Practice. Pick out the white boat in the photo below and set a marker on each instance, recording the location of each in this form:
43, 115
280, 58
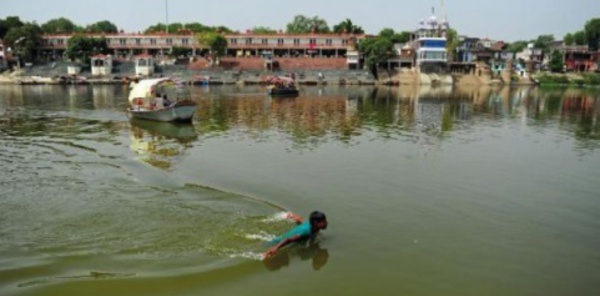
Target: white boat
160, 99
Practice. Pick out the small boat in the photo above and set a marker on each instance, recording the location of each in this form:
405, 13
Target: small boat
149, 99
282, 91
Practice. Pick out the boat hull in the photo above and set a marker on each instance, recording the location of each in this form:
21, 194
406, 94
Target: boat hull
179, 112
283, 92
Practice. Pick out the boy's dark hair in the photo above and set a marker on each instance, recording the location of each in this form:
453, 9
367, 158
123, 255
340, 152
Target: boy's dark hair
316, 216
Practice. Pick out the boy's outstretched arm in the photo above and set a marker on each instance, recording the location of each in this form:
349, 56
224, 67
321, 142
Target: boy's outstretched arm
273, 250
295, 217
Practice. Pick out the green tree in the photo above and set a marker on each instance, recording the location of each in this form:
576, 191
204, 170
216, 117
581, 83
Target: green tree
102, 27
264, 30
376, 50
215, 41
197, 27
60, 25
402, 37
24, 40
394, 37
569, 39
544, 42
160, 27
346, 26
9, 23
452, 42
81, 48
387, 33
222, 29
592, 33
517, 46
580, 38
302, 25
556, 62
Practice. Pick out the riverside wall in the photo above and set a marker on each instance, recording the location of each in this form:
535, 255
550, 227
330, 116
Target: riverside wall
308, 71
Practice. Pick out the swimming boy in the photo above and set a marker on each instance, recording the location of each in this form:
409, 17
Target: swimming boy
305, 230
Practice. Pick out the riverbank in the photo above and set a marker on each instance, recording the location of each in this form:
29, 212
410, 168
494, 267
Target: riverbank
56, 73
568, 79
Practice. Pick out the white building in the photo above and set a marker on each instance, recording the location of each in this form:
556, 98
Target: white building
101, 65
430, 45
144, 65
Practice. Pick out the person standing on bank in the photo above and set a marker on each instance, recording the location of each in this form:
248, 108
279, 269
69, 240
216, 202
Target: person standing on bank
304, 231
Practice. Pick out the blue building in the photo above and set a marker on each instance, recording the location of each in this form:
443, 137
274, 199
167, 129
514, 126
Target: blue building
430, 45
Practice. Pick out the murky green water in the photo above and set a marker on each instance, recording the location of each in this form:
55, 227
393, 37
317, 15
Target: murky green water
428, 192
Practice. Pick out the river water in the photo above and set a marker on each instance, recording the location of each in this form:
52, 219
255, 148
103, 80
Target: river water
428, 191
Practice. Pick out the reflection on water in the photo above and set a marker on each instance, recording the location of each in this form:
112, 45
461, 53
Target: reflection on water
312, 252
160, 143
318, 115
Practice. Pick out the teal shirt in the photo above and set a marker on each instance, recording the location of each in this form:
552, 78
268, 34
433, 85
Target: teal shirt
303, 230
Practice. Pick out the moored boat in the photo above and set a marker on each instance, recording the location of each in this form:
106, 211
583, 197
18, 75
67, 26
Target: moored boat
282, 91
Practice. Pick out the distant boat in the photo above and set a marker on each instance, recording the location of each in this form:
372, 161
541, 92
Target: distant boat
150, 99
282, 91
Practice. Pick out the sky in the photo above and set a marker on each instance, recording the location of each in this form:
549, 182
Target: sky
507, 20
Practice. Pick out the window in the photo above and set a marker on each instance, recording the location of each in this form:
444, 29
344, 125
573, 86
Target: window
328, 42
153, 41
344, 42
169, 41
233, 41
265, 41
122, 41
138, 41
248, 40
312, 41
185, 41
280, 41
60, 41
296, 41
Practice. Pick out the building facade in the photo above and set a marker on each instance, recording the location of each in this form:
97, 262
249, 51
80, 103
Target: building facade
431, 55
239, 45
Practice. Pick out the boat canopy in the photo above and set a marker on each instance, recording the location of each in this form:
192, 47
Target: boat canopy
148, 88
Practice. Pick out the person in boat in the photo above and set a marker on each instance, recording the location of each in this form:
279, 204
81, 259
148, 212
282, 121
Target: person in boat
305, 231
157, 102
166, 101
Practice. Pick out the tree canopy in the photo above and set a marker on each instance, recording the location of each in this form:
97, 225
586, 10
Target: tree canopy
376, 50
102, 27
264, 30
82, 48
395, 37
346, 26
24, 40
556, 63
580, 38
60, 25
215, 41
592, 33
303, 25
175, 28
544, 42
8, 23
518, 46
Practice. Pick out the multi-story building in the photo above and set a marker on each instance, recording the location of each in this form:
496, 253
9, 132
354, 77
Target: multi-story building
239, 45
430, 46
578, 58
